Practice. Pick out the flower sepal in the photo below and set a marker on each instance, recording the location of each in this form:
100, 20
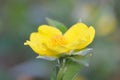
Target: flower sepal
47, 58
81, 57
83, 52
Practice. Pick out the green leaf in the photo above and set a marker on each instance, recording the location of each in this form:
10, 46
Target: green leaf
72, 71
57, 24
78, 61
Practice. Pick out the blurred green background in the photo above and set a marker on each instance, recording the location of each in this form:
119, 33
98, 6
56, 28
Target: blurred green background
18, 18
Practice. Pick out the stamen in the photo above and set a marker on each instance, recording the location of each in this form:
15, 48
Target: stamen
58, 40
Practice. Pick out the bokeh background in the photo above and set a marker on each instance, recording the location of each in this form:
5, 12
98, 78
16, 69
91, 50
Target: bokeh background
18, 18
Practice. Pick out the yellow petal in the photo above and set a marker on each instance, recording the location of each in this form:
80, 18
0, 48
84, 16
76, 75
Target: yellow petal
87, 38
38, 46
72, 34
79, 36
49, 31
52, 38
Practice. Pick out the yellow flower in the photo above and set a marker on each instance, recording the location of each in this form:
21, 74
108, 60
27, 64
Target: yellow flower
49, 41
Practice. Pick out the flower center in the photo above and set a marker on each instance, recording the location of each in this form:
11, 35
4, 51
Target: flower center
58, 40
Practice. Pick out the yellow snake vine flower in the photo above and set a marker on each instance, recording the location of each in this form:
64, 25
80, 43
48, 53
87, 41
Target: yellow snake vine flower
49, 41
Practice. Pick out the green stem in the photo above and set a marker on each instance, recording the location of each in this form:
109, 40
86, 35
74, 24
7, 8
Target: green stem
62, 69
